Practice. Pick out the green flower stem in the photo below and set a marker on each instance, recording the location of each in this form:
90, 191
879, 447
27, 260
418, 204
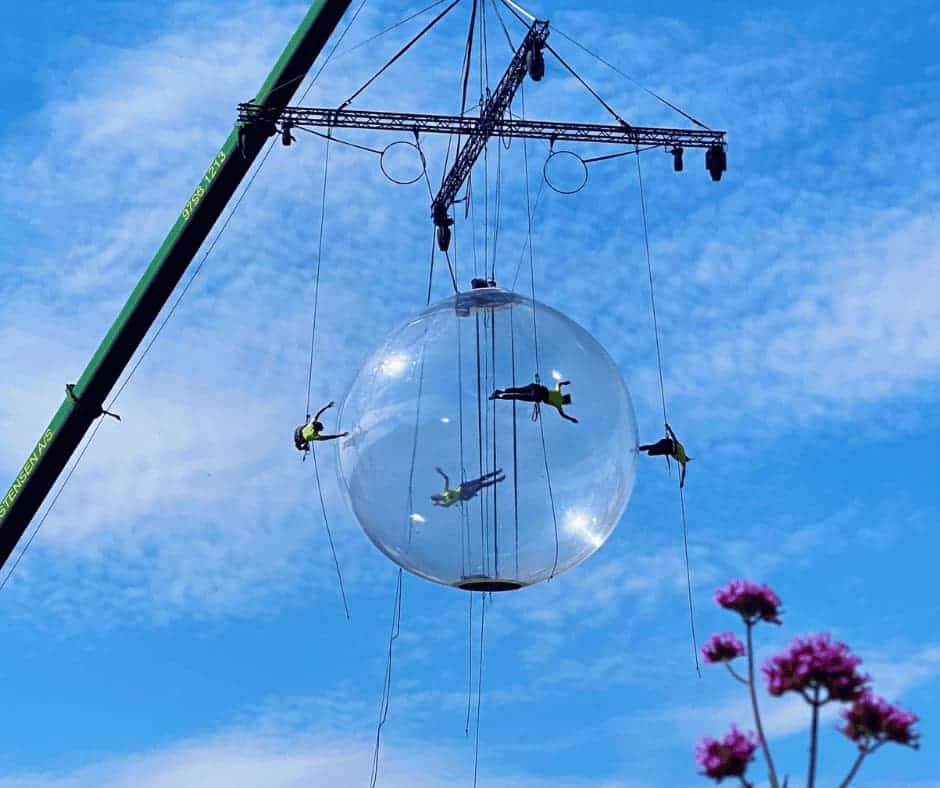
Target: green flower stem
863, 753
771, 772
813, 739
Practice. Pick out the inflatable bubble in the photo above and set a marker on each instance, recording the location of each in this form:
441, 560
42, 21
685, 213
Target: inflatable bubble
527, 494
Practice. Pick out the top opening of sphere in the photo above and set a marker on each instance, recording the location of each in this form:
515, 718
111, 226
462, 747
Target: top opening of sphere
460, 467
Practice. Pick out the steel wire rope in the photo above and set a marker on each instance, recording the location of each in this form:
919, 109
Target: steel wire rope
626, 76
476, 748
387, 684
515, 453
535, 333
313, 345
389, 29
396, 610
584, 82
338, 140
662, 392
466, 729
495, 465
136, 365
484, 547
399, 54
329, 57
329, 533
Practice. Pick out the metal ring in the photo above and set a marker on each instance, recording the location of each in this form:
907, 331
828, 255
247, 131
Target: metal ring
385, 172
548, 180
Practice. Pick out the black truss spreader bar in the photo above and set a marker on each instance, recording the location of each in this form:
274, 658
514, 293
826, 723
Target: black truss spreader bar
558, 131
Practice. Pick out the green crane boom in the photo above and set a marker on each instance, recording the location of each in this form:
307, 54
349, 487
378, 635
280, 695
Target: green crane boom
84, 402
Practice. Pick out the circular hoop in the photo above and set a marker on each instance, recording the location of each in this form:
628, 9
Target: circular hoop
385, 172
573, 155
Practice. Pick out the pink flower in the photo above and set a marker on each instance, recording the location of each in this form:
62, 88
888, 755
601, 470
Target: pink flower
722, 647
728, 757
816, 663
872, 719
754, 602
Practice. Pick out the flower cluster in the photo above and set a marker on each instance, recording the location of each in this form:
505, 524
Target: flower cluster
722, 647
816, 663
752, 601
727, 757
872, 719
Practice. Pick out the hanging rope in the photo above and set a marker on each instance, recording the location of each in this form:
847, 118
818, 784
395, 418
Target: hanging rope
649, 269
466, 729
387, 684
476, 749
316, 281
688, 581
495, 465
515, 452
399, 54
589, 89
626, 76
480, 433
313, 348
389, 29
662, 393
329, 533
548, 476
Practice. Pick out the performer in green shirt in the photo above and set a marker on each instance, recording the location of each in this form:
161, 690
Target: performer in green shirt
465, 490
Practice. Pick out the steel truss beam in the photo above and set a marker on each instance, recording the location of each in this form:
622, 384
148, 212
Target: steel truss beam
411, 122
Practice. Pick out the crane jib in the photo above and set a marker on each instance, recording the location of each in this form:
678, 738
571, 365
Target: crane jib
204, 206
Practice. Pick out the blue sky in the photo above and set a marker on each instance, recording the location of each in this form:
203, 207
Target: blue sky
176, 621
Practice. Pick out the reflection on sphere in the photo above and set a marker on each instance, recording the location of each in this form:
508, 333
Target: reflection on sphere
528, 499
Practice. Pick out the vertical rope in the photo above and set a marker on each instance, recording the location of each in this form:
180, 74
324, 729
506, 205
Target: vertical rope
688, 581
515, 453
476, 750
662, 393
316, 283
387, 685
535, 327
548, 476
649, 268
495, 466
329, 533
466, 729
483, 535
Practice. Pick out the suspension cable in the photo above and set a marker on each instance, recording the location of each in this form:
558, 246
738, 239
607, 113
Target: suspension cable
548, 476
583, 81
476, 749
387, 684
329, 533
390, 28
662, 392
316, 281
399, 54
626, 76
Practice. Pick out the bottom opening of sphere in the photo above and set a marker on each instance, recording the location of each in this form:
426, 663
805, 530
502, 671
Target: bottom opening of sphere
488, 584
460, 467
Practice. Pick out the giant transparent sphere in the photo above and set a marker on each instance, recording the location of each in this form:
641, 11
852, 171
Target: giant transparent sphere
525, 498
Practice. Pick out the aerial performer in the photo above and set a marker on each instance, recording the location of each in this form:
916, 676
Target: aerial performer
538, 394
465, 490
669, 447
313, 431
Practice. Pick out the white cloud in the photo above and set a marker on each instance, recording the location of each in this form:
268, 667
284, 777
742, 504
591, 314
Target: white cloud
249, 759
